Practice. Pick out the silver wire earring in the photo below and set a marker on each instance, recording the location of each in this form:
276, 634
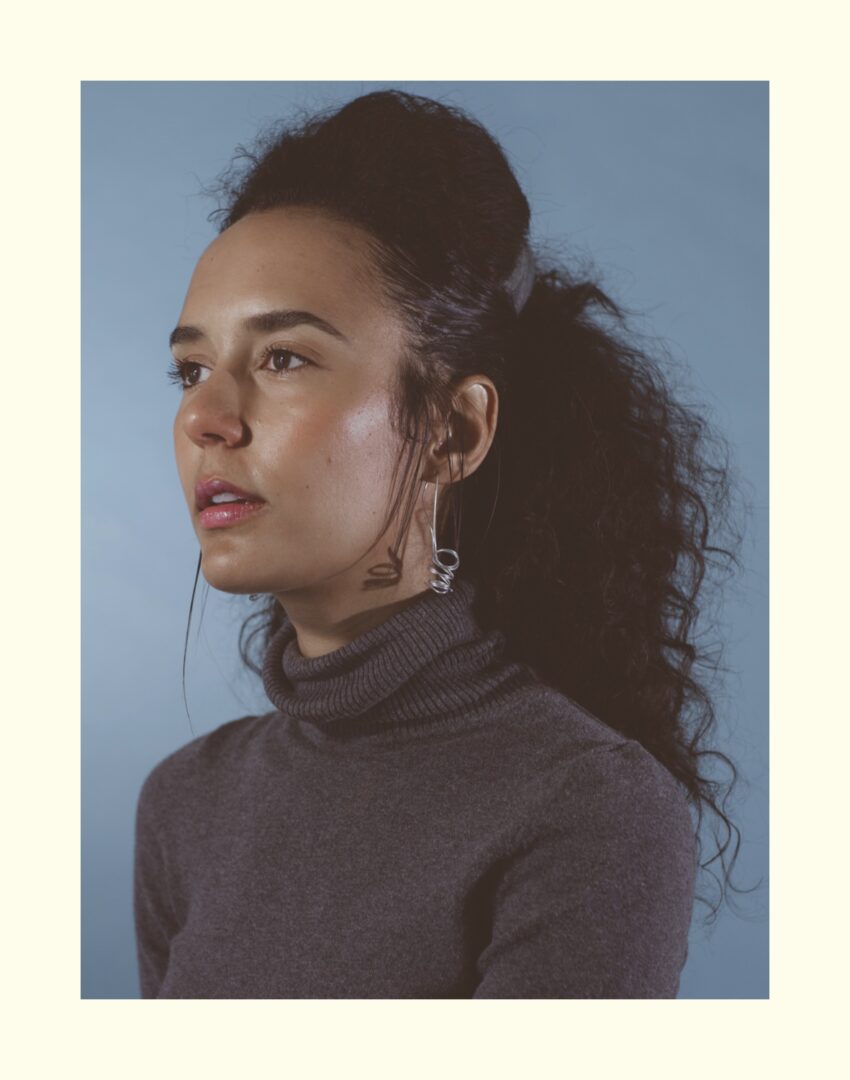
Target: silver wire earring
442, 573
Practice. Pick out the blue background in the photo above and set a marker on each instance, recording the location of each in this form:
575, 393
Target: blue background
663, 184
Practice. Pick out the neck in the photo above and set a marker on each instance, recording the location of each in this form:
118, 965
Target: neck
428, 662
318, 635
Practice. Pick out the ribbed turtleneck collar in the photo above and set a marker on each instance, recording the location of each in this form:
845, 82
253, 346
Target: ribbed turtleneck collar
428, 662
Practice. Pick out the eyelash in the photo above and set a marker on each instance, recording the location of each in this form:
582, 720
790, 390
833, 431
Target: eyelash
176, 372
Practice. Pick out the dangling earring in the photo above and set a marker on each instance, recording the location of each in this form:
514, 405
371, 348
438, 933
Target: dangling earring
441, 572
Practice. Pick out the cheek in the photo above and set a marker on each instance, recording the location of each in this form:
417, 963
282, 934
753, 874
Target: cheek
354, 455
364, 430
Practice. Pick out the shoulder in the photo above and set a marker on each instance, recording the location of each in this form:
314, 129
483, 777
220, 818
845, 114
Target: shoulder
593, 896
623, 786
622, 815
598, 786
197, 765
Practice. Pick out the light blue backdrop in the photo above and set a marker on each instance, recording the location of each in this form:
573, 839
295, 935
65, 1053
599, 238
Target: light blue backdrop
665, 184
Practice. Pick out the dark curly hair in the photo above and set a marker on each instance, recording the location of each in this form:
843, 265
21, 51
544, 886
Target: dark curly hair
604, 503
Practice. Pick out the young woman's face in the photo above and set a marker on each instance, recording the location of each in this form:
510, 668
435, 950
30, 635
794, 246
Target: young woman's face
292, 408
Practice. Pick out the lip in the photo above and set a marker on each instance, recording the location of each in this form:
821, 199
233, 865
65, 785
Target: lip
216, 485
220, 515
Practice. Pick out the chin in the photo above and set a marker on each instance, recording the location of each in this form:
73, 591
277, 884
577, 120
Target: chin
235, 586
226, 575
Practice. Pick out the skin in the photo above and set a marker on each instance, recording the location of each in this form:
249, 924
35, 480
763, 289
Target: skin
314, 440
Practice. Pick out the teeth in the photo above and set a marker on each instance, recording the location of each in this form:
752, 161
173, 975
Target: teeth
226, 496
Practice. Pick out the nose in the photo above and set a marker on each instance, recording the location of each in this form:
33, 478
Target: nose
214, 411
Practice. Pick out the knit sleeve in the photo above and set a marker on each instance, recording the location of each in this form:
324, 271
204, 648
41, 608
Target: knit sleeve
597, 900
155, 924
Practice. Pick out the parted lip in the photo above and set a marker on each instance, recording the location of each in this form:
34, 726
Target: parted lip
215, 485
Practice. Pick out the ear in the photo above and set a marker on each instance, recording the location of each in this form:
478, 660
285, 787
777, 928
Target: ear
468, 433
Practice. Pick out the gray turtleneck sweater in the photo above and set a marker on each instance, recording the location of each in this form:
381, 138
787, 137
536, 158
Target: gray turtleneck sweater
416, 818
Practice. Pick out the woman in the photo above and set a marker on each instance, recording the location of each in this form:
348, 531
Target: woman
476, 777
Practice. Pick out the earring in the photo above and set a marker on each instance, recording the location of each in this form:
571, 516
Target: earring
441, 572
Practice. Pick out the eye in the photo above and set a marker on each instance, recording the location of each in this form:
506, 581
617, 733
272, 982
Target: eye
180, 371
278, 350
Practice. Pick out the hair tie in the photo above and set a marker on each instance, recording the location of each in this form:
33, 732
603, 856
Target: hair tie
521, 279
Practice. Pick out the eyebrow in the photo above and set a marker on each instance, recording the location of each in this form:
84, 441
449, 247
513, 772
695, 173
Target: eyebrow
267, 322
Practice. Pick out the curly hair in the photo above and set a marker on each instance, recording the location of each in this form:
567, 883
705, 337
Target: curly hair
604, 505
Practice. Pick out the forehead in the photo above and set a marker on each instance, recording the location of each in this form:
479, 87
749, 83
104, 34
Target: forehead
289, 256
